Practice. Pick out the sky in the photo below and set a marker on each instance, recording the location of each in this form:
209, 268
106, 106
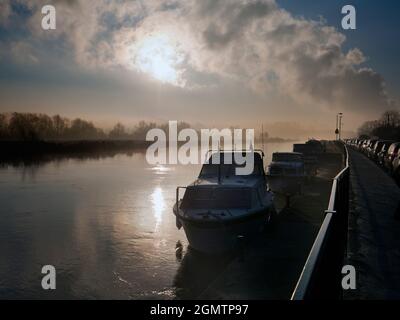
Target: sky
287, 64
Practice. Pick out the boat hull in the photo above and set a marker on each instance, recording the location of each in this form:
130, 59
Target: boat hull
216, 237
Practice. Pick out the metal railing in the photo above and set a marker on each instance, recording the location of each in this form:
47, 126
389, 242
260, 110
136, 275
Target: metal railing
321, 275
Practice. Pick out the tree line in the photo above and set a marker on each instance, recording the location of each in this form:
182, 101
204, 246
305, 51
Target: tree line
387, 127
41, 127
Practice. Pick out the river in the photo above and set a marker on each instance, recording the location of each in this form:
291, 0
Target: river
105, 224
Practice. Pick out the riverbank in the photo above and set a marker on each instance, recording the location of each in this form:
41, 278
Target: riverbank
26, 152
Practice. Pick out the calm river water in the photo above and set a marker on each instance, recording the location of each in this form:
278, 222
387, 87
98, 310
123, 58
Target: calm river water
106, 226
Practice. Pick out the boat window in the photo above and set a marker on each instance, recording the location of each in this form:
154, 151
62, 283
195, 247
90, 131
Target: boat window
217, 198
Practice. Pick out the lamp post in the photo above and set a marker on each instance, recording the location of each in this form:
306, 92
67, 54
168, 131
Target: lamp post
340, 125
338, 131
337, 128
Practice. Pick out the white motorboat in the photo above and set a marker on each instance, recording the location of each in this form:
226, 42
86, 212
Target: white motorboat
286, 173
220, 208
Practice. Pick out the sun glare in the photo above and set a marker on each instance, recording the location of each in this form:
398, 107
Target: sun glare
157, 199
158, 57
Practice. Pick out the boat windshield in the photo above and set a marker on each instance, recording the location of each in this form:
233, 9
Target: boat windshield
217, 198
224, 164
226, 170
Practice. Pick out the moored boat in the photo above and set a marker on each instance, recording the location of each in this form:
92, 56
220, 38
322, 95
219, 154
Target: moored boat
221, 207
286, 173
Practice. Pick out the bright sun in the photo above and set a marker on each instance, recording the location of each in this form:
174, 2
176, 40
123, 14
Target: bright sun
158, 57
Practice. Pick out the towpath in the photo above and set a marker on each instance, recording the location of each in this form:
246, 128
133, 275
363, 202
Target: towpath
374, 231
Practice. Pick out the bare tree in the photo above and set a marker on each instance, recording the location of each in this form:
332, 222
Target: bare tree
118, 132
367, 128
390, 118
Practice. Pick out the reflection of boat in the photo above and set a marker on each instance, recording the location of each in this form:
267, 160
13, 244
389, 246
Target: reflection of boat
196, 271
286, 173
221, 207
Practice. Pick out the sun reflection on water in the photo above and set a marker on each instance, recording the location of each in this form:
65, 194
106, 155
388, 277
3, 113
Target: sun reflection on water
161, 169
158, 204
